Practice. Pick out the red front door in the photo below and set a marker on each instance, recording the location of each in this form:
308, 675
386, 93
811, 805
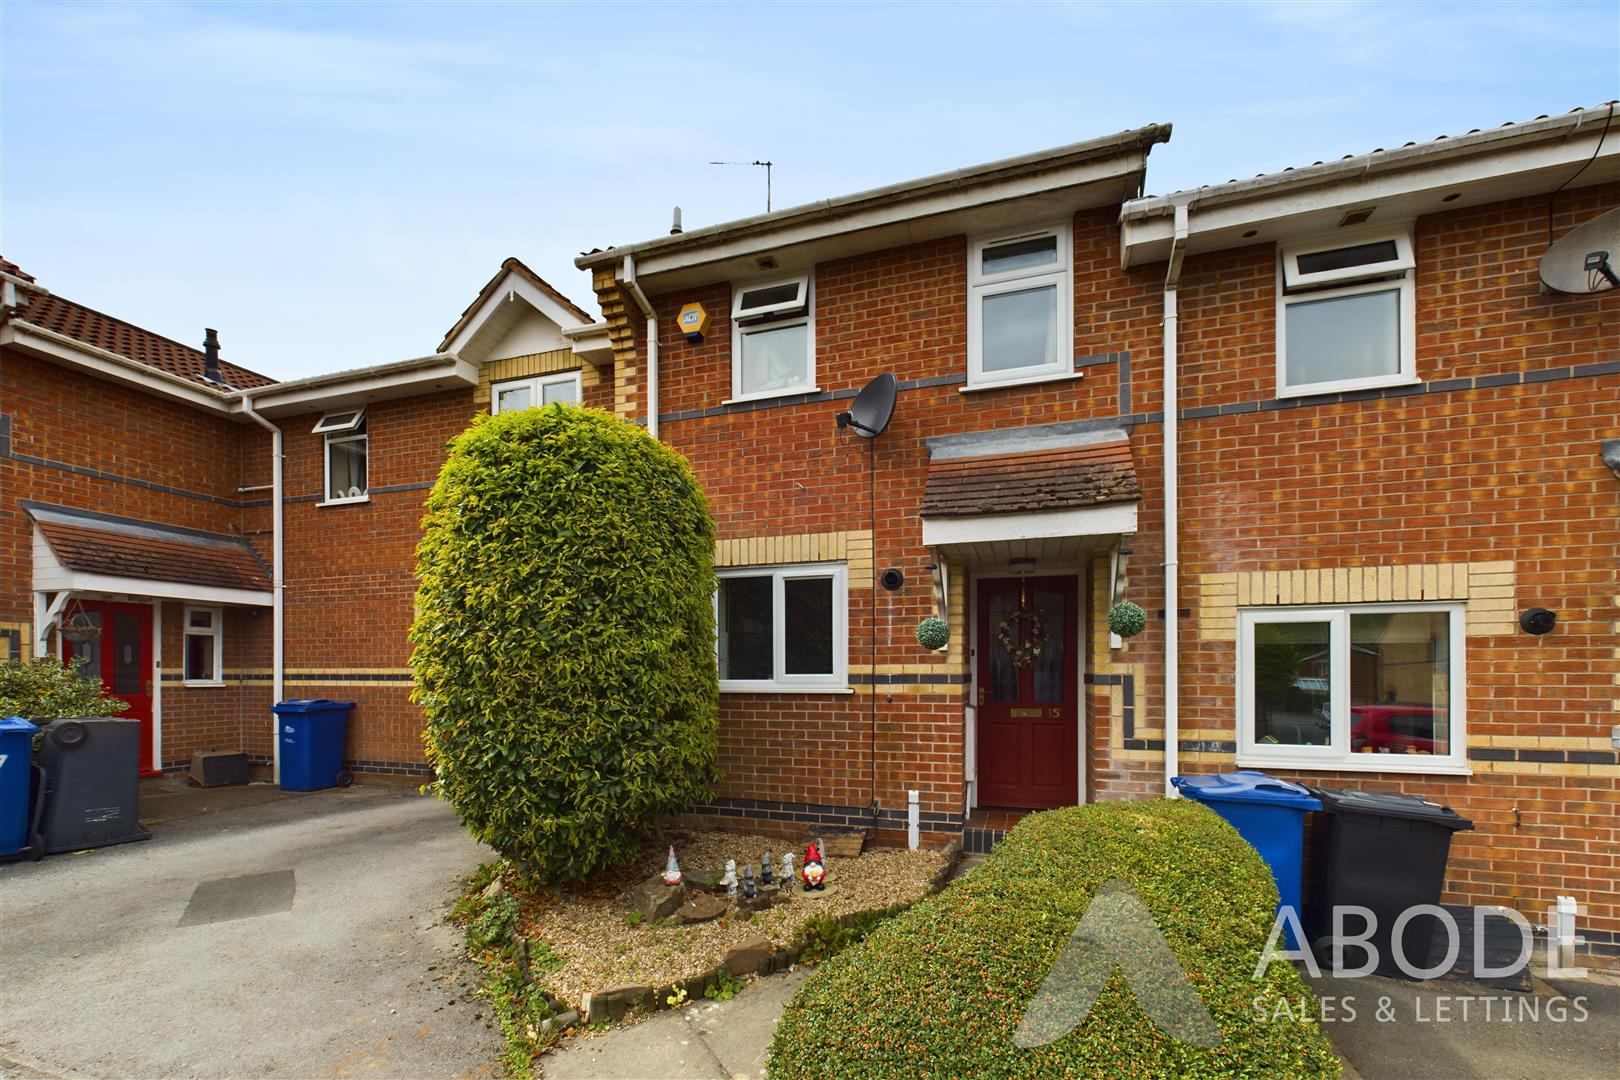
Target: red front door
1029, 703
121, 656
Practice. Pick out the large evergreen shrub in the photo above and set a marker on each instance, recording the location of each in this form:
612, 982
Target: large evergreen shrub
939, 990
44, 688
564, 637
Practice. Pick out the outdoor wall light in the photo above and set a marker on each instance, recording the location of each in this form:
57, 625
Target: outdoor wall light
1610, 455
1538, 621
1021, 564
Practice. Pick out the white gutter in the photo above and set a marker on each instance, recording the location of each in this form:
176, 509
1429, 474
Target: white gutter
1172, 506
278, 627
630, 283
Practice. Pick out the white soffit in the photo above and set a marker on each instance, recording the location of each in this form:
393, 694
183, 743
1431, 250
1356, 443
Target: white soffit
1397, 185
1111, 519
504, 311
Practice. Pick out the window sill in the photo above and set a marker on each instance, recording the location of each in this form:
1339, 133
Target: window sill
724, 689
796, 391
345, 502
1033, 380
1347, 387
1368, 763
194, 684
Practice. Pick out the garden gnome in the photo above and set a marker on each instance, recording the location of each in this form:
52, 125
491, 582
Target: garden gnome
730, 880
749, 891
813, 873
672, 869
785, 875
765, 877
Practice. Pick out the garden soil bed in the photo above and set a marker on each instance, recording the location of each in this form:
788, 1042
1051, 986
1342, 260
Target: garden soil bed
589, 926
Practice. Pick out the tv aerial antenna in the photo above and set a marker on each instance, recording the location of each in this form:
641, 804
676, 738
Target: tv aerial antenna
766, 165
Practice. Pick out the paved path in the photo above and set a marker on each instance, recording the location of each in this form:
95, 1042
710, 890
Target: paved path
299, 938
704, 1041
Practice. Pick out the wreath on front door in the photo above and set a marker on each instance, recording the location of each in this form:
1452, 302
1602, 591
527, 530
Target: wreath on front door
1023, 653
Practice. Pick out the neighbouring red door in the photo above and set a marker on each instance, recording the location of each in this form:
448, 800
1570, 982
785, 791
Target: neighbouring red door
121, 656
1029, 705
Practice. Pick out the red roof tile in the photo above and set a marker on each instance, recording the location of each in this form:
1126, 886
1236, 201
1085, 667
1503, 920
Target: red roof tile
50, 312
1039, 480
152, 553
13, 269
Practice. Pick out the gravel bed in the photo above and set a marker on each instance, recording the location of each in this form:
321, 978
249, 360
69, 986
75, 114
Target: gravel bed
588, 925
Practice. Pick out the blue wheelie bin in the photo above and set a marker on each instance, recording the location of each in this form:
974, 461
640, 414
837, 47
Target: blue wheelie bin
1270, 815
16, 777
313, 734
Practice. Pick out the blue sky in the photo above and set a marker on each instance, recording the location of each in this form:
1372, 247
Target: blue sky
330, 184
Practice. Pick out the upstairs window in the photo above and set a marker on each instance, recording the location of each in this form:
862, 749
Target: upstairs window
772, 339
559, 389
783, 627
345, 455
1345, 314
1020, 306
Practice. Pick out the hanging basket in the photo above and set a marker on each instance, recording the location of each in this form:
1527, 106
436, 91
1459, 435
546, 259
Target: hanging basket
78, 627
1126, 619
932, 633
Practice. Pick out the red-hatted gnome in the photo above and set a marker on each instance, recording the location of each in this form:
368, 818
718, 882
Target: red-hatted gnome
813, 873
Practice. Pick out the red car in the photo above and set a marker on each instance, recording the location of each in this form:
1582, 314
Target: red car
1395, 729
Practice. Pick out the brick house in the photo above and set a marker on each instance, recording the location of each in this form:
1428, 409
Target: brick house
1386, 444
137, 497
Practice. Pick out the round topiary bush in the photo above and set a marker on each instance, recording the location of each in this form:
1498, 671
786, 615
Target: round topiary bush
940, 990
564, 637
1126, 619
933, 633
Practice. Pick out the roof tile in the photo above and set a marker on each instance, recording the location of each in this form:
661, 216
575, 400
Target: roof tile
1062, 479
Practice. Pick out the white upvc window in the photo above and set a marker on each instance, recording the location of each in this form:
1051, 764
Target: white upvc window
1346, 318
345, 455
1366, 687
204, 647
783, 627
1020, 306
561, 388
773, 339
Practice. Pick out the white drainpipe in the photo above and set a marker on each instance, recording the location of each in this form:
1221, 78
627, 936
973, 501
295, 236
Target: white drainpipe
634, 286
278, 629
1172, 635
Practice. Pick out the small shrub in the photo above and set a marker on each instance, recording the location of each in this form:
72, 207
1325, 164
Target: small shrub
939, 990
824, 937
564, 638
494, 926
634, 919
46, 689
724, 988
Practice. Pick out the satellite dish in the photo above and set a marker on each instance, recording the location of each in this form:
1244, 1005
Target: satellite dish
873, 408
1586, 259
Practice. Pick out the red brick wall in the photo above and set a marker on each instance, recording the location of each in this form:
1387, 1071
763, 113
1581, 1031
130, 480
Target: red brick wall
1505, 473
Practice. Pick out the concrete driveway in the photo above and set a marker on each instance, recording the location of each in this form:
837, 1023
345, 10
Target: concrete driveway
297, 938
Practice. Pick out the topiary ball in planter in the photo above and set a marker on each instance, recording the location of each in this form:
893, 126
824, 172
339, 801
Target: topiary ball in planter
932, 633
1126, 619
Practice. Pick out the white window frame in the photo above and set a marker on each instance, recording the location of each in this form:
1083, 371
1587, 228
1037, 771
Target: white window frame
773, 317
536, 385
1396, 275
1337, 756
216, 631
340, 421
981, 285
363, 438
781, 682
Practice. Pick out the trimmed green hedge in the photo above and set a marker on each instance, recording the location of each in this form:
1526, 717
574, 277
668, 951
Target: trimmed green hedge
939, 990
564, 638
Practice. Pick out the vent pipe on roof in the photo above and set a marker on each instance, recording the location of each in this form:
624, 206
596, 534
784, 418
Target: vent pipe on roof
211, 357
675, 227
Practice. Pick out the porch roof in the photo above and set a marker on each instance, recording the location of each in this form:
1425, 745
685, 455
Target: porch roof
92, 550
1061, 478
